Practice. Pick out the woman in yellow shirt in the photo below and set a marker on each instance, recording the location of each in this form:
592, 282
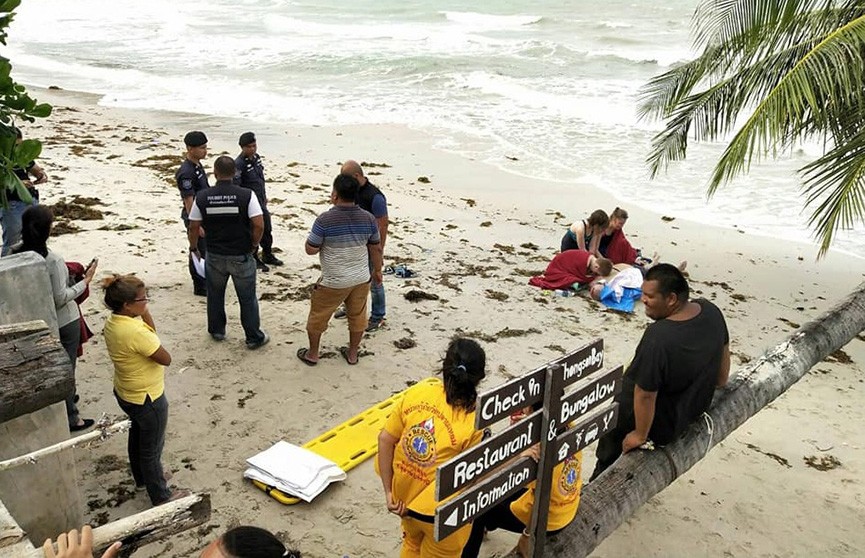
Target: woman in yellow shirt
431, 424
139, 381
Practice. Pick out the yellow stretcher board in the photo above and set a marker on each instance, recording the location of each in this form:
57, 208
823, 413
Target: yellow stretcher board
348, 445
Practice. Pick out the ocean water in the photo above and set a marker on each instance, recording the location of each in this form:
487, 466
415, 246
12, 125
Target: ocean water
540, 88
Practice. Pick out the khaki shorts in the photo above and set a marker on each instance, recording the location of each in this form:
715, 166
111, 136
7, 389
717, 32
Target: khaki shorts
326, 300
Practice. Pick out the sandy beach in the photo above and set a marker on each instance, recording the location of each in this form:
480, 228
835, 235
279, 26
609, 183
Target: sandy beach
788, 483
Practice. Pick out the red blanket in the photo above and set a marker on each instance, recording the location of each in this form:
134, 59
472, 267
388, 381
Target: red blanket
619, 250
566, 269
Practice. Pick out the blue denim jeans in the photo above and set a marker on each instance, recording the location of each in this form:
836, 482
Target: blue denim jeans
146, 440
376, 291
10, 219
70, 338
241, 269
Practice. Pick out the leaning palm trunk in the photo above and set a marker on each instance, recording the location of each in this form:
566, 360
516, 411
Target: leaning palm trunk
614, 496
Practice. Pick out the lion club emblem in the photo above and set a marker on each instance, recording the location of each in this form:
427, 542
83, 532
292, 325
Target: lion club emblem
570, 479
419, 443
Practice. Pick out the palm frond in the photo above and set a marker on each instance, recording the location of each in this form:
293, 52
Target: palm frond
836, 184
832, 71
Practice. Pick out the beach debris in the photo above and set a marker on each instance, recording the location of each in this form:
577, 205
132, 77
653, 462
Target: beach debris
108, 463
792, 324
529, 246
374, 165
416, 295
487, 224
496, 295
667, 219
504, 248
55, 88
405, 343
822, 463
557, 348
423, 179
118, 227
839, 356
77, 209
511, 158
774, 456
64, 227
501, 334
241, 403
469, 202
445, 280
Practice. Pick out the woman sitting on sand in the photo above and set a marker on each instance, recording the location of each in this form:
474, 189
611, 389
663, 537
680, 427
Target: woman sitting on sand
35, 229
431, 424
613, 245
586, 234
570, 269
139, 381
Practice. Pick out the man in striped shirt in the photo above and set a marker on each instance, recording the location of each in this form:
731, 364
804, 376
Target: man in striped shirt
346, 238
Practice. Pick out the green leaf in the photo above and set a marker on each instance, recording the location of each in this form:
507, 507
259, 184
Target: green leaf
9, 5
12, 182
42, 110
26, 152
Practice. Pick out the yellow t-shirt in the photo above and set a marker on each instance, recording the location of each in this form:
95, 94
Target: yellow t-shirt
564, 497
130, 343
430, 432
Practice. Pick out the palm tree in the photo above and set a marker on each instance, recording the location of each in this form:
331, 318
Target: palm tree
777, 73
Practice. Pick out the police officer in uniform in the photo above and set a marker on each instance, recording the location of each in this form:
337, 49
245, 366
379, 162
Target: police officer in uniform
192, 179
234, 223
250, 174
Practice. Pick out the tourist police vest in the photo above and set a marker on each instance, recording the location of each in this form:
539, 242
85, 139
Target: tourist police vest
225, 218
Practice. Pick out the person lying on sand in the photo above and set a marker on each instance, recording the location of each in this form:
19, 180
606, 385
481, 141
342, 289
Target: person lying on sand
570, 268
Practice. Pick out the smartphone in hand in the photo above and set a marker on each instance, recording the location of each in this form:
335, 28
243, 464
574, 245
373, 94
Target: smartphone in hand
93, 262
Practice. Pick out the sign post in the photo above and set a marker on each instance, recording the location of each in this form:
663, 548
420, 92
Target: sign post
482, 477
549, 426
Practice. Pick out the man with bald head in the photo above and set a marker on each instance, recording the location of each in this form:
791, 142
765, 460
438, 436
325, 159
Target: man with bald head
372, 200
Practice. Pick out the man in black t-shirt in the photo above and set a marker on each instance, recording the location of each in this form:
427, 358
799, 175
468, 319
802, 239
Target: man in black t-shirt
191, 179
683, 356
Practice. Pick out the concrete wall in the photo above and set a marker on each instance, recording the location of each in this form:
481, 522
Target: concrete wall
44, 497
25, 291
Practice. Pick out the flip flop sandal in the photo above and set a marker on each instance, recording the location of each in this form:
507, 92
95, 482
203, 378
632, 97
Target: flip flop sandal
301, 354
388, 270
405, 273
344, 352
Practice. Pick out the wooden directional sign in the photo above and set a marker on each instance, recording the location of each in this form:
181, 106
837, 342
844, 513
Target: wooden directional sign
459, 511
486, 456
587, 431
528, 390
595, 391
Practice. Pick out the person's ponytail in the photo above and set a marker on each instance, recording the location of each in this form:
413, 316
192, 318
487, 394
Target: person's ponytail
463, 367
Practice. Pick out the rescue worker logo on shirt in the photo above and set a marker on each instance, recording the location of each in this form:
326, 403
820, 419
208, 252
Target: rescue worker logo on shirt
419, 443
570, 480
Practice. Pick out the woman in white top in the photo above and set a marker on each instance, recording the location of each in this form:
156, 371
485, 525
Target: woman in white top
36, 228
